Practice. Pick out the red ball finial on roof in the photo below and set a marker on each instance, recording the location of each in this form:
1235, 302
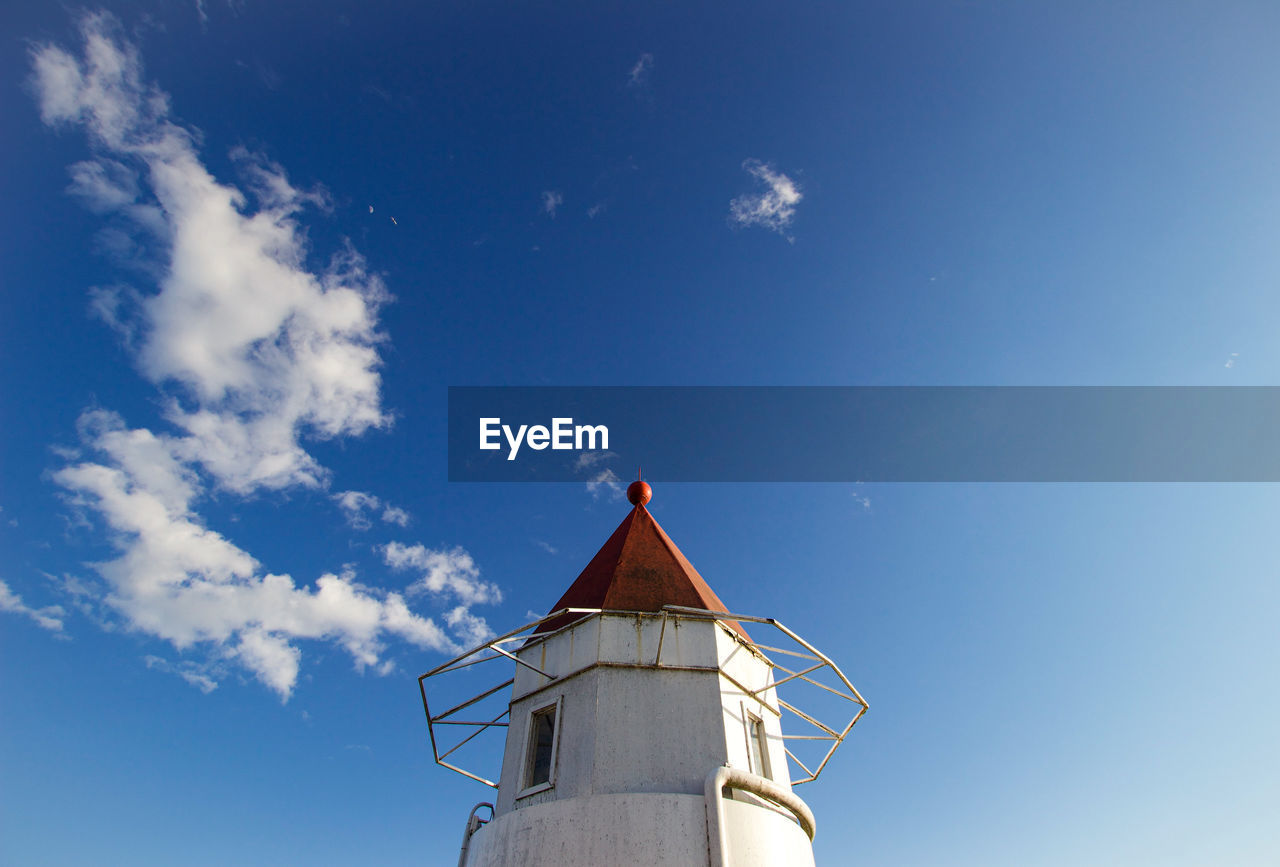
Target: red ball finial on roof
639, 493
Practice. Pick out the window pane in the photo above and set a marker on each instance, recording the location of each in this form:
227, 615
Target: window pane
541, 737
759, 749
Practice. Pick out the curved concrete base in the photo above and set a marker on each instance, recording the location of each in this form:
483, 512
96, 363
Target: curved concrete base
645, 829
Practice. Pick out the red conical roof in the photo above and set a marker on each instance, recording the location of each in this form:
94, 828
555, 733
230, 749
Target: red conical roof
638, 569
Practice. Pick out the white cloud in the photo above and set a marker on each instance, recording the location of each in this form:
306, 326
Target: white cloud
444, 573
199, 676
395, 515
602, 481
1231, 361
551, 200
586, 460
104, 185
184, 583
774, 208
605, 481
639, 74
266, 349
83, 595
263, 351
546, 546
48, 617
472, 629
358, 508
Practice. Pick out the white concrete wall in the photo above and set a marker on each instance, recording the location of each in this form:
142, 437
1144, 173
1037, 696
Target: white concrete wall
575, 747
622, 730
763, 837
744, 671
663, 830
618, 638
651, 830
635, 743
656, 730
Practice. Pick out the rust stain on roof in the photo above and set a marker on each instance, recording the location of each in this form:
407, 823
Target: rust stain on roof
638, 569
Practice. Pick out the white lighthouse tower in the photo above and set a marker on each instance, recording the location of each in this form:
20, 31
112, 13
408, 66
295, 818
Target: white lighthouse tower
645, 725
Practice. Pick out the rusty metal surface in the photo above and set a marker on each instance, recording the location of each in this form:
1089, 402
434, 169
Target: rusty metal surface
638, 569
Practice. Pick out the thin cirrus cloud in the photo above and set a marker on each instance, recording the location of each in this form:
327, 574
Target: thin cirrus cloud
638, 77
587, 460
264, 353
601, 481
447, 574
773, 206
551, 202
605, 482
47, 617
442, 572
193, 673
359, 508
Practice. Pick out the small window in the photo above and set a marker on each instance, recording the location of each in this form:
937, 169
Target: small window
758, 747
540, 754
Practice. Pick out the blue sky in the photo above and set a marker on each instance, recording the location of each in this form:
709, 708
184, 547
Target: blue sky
246, 248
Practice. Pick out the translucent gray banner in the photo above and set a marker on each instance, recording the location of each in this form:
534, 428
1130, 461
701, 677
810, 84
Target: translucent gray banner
866, 434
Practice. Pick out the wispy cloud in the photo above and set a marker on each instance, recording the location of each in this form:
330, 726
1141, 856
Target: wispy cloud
49, 617
1231, 360
443, 572
638, 77
395, 515
196, 674
605, 482
774, 207
601, 481
448, 574
551, 200
587, 460
546, 546
359, 508
264, 348
355, 506
185, 583
261, 350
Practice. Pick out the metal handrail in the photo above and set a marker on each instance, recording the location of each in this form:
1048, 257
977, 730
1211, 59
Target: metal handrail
736, 778
474, 823
495, 651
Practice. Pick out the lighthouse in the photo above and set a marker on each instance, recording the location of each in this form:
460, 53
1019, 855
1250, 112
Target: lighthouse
644, 723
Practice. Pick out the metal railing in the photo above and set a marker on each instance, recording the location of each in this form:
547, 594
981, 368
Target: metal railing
736, 778
805, 673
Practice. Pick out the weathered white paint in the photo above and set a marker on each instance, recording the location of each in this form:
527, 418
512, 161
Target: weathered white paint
758, 836
658, 829
637, 734
738, 833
